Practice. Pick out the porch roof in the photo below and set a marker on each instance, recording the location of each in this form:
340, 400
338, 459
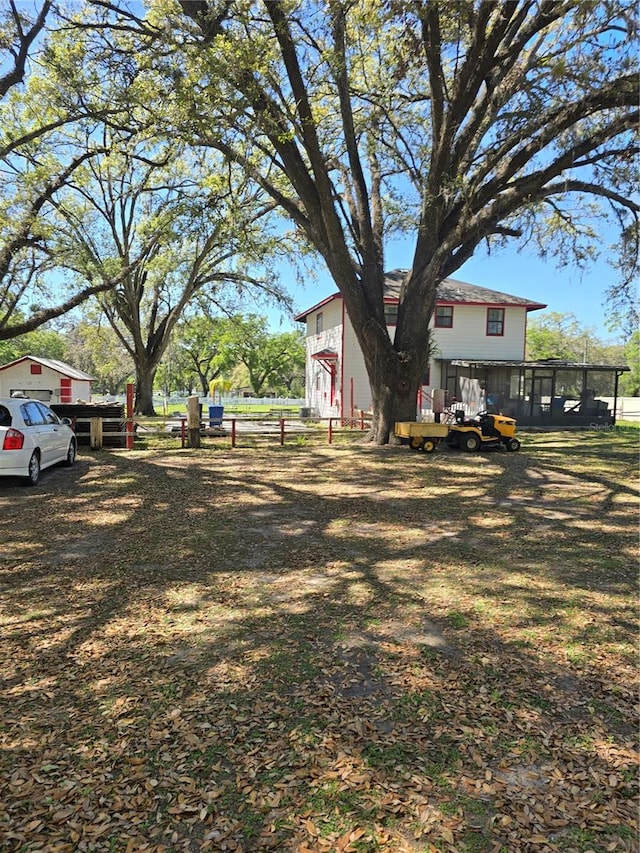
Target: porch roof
325, 355
543, 364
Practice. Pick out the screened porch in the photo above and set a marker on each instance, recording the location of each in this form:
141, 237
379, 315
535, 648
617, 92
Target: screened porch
542, 393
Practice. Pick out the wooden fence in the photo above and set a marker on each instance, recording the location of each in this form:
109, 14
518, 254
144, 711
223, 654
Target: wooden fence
112, 432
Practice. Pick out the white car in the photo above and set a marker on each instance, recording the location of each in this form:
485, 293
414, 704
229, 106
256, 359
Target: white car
33, 437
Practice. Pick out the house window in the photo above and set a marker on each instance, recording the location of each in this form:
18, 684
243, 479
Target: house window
444, 317
495, 321
391, 313
36, 369
318, 322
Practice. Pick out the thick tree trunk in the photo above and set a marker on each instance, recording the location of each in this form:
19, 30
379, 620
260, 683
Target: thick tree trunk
394, 390
394, 378
391, 407
396, 369
145, 375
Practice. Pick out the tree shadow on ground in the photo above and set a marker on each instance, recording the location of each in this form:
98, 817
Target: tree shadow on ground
323, 650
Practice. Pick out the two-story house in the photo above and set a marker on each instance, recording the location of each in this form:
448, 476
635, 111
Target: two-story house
478, 340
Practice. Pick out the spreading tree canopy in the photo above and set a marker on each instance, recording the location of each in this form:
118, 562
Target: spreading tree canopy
48, 116
458, 122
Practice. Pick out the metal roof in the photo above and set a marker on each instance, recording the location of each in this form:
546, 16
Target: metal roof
52, 364
543, 364
450, 291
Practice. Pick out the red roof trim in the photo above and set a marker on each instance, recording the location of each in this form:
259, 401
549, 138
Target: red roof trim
325, 355
16, 361
390, 300
302, 316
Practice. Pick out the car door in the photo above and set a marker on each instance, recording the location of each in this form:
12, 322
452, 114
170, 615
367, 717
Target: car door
56, 435
41, 434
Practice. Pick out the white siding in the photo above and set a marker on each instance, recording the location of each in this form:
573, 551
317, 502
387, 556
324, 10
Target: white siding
354, 375
45, 385
331, 317
317, 378
468, 337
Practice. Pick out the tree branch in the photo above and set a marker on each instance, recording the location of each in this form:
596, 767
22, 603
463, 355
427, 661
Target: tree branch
16, 75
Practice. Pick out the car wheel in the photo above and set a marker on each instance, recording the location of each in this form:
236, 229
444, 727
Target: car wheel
34, 470
71, 453
470, 442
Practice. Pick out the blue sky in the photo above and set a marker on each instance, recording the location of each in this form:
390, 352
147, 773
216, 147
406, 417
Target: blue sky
520, 272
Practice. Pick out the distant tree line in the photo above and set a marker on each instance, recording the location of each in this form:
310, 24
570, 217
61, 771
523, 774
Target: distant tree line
238, 352
562, 336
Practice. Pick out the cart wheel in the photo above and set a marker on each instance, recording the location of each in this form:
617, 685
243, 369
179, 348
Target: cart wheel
470, 442
513, 444
416, 442
429, 445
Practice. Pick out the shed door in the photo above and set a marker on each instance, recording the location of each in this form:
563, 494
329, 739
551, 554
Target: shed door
65, 390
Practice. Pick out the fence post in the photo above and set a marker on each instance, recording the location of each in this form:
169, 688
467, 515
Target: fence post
233, 432
183, 432
95, 433
281, 432
330, 430
129, 425
193, 420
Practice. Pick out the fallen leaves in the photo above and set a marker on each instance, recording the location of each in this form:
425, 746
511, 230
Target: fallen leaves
247, 690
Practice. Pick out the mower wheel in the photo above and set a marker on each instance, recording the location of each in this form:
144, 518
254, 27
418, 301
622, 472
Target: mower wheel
513, 444
415, 442
429, 445
470, 442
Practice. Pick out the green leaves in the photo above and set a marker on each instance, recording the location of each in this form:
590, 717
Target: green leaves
272, 360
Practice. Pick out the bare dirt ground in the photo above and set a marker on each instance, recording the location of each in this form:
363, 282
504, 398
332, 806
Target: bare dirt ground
323, 649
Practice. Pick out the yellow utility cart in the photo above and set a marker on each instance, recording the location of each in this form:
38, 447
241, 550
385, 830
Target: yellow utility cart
485, 431
421, 436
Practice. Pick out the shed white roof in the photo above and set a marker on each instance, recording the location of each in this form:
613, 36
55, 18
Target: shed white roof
53, 364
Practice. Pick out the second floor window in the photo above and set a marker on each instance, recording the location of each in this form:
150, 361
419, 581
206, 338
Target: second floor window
318, 323
495, 321
444, 317
391, 313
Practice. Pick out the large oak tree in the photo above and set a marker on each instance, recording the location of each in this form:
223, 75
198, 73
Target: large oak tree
465, 122
176, 226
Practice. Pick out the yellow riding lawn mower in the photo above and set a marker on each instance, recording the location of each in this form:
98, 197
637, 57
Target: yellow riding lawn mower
486, 430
